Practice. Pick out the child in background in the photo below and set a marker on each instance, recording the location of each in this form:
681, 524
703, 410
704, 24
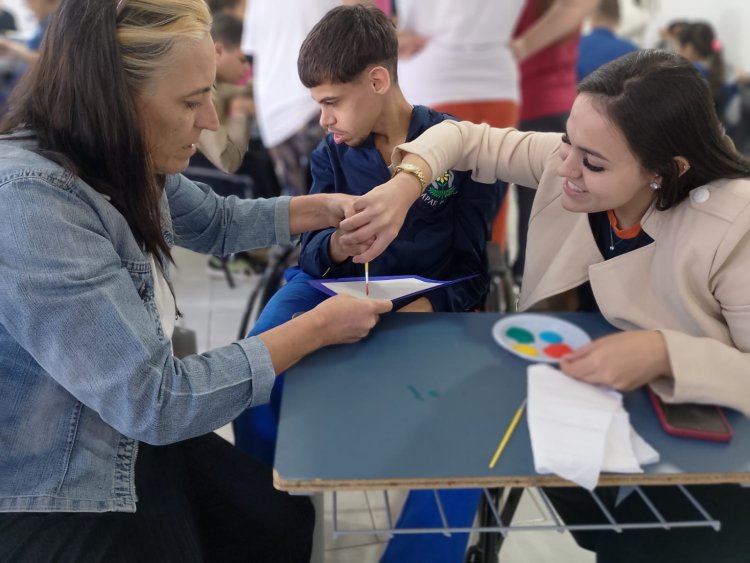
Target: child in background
698, 44
226, 147
669, 35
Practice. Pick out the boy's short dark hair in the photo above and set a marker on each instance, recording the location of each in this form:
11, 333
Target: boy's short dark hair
227, 29
344, 43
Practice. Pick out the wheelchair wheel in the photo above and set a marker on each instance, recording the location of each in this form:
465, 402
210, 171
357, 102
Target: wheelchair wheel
272, 278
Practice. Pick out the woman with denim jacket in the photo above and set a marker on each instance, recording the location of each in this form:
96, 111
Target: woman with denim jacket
106, 444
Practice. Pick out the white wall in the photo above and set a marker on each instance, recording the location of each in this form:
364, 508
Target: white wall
730, 18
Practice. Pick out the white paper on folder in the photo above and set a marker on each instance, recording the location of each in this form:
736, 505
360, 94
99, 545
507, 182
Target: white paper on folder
579, 430
382, 289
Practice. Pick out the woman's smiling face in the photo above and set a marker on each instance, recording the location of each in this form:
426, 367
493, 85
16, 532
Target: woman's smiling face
598, 169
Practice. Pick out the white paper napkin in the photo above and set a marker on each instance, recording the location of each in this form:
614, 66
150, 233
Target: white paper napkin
579, 430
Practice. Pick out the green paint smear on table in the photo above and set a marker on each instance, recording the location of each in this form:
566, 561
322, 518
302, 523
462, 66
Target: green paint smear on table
520, 335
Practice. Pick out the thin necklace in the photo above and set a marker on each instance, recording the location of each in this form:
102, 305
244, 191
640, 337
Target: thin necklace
612, 222
612, 243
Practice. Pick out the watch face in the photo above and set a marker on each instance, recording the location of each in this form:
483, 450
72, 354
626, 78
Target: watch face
414, 171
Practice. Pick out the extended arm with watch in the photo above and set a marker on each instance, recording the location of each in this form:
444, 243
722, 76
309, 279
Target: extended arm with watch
381, 211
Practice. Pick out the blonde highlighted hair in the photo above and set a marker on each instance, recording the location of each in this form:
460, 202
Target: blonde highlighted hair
147, 31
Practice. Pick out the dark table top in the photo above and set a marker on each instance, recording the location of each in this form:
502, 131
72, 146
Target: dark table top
423, 402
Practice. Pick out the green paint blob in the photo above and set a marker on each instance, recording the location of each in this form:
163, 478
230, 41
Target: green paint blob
520, 335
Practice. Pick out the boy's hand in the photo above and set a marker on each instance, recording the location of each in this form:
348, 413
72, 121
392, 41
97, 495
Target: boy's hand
339, 251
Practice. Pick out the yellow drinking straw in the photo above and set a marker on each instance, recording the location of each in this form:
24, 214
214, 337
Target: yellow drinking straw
367, 278
507, 435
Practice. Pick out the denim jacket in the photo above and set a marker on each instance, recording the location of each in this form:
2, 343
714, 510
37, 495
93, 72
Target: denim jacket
85, 370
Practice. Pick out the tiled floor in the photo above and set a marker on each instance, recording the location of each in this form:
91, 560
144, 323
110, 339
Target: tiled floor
214, 311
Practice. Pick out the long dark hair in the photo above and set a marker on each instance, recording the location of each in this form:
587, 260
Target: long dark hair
664, 109
78, 99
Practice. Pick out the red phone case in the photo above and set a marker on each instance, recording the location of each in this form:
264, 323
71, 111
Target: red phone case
689, 432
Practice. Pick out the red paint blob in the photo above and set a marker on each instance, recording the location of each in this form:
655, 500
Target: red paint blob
557, 350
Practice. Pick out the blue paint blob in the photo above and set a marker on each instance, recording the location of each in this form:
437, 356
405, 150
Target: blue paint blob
551, 337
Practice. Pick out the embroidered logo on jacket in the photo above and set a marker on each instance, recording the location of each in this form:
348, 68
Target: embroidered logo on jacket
440, 190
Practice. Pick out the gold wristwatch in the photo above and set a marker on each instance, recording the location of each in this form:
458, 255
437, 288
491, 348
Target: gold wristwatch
414, 170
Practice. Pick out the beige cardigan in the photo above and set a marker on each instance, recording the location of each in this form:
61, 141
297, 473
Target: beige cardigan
692, 283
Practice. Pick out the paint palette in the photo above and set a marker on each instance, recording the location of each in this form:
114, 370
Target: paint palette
538, 338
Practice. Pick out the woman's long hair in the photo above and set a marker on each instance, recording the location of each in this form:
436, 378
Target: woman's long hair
664, 109
78, 99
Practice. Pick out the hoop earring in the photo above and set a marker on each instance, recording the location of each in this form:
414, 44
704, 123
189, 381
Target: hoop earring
654, 185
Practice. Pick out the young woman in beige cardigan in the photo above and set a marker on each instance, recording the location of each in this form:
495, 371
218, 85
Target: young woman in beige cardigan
644, 200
